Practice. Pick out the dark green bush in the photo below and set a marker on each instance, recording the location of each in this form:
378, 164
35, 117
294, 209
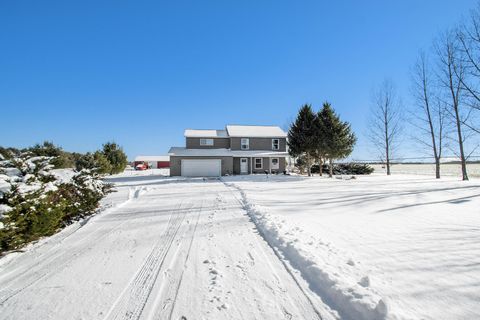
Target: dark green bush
345, 168
115, 155
38, 203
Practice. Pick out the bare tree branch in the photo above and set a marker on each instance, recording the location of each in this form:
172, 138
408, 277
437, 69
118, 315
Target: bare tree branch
385, 122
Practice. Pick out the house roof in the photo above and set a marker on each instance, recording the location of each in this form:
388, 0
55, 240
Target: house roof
181, 151
184, 152
200, 133
255, 131
152, 158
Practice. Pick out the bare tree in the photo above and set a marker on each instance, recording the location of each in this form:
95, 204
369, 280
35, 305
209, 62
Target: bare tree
452, 76
385, 121
468, 36
429, 112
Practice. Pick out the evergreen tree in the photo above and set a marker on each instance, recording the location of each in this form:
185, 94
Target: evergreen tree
61, 159
85, 161
338, 138
320, 142
97, 162
8, 153
302, 137
115, 155
102, 165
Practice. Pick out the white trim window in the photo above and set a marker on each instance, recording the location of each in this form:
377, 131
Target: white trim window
244, 143
206, 142
275, 163
275, 144
258, 163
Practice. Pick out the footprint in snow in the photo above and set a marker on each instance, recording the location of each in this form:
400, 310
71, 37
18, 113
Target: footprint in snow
364, 282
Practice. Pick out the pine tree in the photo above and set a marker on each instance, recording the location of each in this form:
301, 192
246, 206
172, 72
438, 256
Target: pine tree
61, 158
96, 161
337, 136
115, 155
301, 136
320, 142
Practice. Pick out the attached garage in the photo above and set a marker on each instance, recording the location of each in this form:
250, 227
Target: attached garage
201, 167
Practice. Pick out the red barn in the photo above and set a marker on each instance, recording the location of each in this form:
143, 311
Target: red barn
153, 162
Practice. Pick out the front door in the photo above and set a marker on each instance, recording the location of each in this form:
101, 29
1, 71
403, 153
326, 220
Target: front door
243, 165
275, 164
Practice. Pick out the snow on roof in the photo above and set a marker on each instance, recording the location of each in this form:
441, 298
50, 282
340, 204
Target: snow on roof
258, 153
181, 151
255, 131
152, 158
184, 152
199, 133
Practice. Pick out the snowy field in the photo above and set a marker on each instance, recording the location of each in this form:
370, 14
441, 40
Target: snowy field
252, 247
446, 169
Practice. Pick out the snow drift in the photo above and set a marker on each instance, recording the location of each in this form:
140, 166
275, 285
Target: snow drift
337, 279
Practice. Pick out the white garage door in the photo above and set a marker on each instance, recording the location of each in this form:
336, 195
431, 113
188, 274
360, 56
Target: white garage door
201, 168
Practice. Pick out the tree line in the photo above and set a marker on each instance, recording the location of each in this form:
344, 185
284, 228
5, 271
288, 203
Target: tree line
110, 159
38, 201
445, 86
320, 137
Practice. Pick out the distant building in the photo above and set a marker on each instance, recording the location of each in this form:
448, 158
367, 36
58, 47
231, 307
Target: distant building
153, 162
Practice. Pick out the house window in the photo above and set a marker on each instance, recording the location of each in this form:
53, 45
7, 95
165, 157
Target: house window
245, 144
275, 144
258, 163
206, 142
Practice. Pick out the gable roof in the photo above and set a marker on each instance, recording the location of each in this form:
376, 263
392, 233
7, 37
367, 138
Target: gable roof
200, 133
255, 131
182, 151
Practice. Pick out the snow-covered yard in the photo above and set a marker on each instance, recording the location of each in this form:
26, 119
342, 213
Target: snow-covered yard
252, 247
409, 240
446, 169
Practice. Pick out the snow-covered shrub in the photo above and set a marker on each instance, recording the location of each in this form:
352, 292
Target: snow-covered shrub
96, 161
345, 168
116, 156
60, 158
36, 202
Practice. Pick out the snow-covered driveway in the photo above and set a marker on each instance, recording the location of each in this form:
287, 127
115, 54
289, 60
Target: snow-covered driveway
166, 249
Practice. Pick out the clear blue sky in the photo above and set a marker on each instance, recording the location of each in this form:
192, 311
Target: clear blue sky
80, 73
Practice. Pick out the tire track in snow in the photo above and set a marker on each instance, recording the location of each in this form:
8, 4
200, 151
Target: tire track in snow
132, 300
177, 282
50, 259
282, 261
60, 237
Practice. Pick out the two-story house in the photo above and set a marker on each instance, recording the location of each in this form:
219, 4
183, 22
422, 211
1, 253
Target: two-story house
234, 150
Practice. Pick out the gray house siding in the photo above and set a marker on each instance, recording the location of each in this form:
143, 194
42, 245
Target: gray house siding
259, 144
266, 165
282, 164
236, 165
218, 143
176, 164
